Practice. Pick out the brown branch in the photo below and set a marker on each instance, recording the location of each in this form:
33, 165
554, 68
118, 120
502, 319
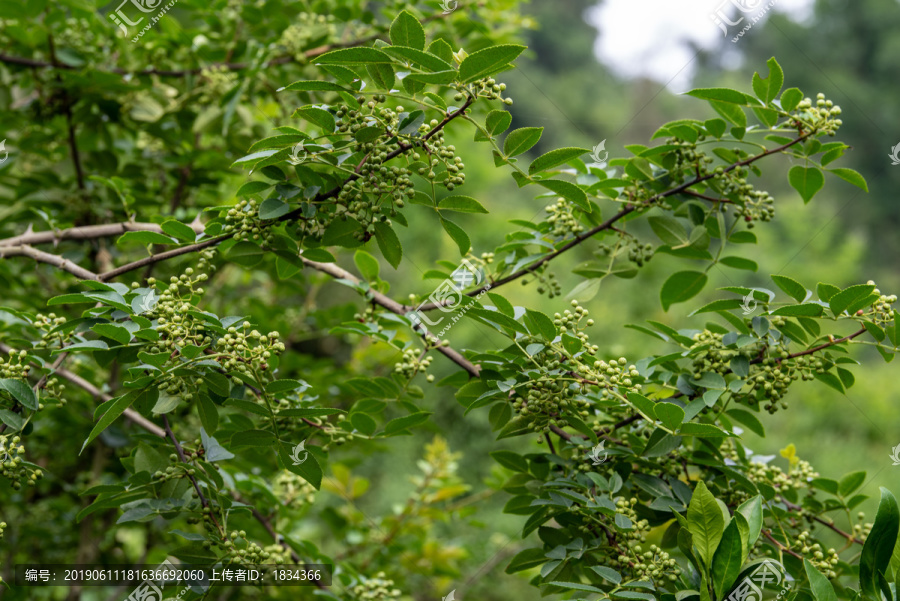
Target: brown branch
51, 259
396, 308
816, 349
175, 252
827, 524
130, 414
87, 232
203, 500
780, 546
624, 212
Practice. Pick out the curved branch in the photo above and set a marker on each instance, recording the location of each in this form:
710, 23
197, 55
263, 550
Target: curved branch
87, 232
130, 414
612, 220
51, 259
396, 308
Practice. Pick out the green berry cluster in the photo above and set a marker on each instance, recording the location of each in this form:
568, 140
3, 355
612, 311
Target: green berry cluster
12, 464
613, 375
653, 564
242, 551
309, 28
412, 363
862, 529
796, 478
379, 588
639, 527
547, 282
247, 351
243, 222
824, 116
46, 324
640, 253
824, 561
485, 88
217, 81
293, 491
884, 312
16, 367
178, 470
561, 219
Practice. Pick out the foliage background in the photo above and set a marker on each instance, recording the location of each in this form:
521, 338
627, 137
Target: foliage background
848, 53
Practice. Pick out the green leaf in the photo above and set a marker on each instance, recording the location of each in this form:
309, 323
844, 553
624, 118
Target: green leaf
681, 286
790, 98
527, 559
463, 204
21, 391
497, 122
850, 483
407, 31
511, 460
752, 511
273, 208
670, 414
700, 430
843, 299
569, 191
209, 415
400, 424
726, 563
116, 408
732, 112
807, 310
705, 522
367, 264
849, 175
388, 243
668, 229
488, 61
792, 288
723, 95
253, 438
806, 180
539, 324
309, 469
253, 188
458, 235
643, 404
316, 116
521, 140
313, 86
353, 56
739, 263
554, 158
179, 230
879, 545
748, 419
382, 75
145, 238
767, 89
822, 589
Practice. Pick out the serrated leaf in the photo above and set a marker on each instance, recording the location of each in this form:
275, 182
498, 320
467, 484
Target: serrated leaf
488, 61
555, 158
20, 391
681, 286
849, 175
353, 56
705, 522
389, 243
407, 31
463, 204
792, 288
806, 181
521, 140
